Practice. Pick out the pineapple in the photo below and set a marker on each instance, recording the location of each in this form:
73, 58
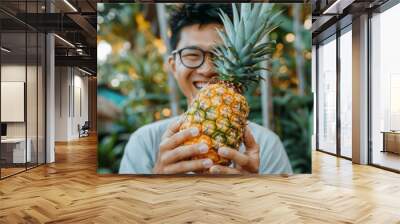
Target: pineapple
220, 110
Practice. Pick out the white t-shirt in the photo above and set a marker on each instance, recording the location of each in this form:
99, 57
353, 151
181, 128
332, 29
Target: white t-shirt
142, 149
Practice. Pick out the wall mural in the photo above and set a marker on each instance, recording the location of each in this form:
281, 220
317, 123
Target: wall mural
204, 88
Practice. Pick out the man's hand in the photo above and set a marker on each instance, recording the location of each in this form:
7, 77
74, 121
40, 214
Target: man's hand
172, 156
245, 163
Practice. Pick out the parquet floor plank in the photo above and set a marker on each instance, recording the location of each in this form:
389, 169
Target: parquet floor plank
70, 191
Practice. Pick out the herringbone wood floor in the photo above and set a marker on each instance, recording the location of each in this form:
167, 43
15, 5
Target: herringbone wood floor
70, 191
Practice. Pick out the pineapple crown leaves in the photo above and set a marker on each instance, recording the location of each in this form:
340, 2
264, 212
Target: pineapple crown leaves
237, 59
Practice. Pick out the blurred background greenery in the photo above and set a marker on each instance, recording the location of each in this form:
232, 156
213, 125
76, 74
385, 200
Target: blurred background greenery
133, 87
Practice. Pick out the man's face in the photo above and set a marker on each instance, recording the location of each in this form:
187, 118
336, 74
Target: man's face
190, 80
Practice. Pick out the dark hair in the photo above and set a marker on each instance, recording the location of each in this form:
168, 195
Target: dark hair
195, 13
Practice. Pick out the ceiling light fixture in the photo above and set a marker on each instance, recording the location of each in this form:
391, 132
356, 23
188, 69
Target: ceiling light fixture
337, 7
65, 41
84, 71
333, 6
5, 50
70, 5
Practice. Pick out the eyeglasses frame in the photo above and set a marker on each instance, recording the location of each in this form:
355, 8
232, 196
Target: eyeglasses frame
179, 51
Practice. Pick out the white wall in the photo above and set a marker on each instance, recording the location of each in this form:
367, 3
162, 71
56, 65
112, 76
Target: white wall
33, 127
71, 94
12, 73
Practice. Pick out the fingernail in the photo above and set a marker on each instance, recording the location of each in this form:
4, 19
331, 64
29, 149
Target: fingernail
194, 131
203, 148
223, 151
214, 169
207, 163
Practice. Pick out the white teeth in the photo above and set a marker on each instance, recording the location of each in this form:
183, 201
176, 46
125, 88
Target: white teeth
200, 85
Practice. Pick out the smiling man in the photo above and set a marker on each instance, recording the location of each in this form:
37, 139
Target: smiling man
158, 148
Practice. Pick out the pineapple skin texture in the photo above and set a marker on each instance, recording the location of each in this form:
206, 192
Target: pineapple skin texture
220, 114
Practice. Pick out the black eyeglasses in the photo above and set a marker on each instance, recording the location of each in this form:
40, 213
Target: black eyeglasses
192, 57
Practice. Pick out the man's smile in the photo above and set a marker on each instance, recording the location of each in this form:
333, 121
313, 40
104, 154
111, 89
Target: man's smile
199, 84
